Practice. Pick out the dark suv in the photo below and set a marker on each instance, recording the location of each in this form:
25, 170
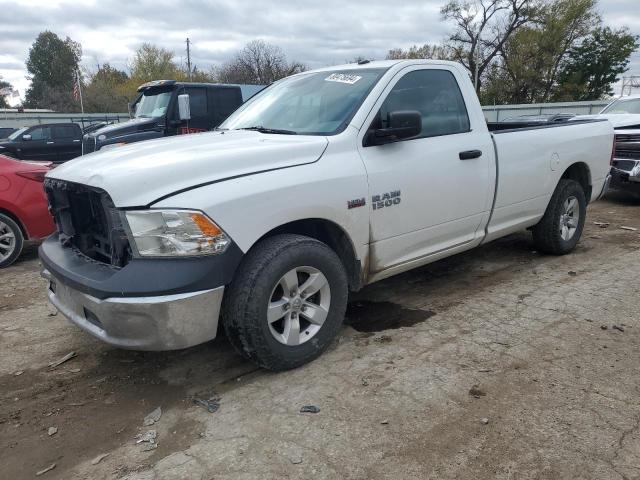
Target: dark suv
55, 142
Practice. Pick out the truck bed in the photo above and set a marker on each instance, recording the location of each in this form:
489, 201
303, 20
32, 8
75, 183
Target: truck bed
506, 127
529, 160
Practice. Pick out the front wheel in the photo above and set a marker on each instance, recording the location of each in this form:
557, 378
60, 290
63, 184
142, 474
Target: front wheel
11, 241
287, 302
561, 226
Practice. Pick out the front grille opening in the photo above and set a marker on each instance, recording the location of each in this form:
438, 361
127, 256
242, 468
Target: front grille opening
88, 221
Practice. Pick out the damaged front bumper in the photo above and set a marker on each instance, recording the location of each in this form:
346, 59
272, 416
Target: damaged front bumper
149, 304
625, 175
166, 322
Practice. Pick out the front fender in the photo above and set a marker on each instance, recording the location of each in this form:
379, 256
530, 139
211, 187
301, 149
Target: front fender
249, 207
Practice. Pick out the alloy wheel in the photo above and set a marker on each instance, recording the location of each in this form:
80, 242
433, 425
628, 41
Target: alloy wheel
570, 218
7, 241
299, 305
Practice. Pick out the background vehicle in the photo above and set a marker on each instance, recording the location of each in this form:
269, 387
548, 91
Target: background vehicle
324, 182
24, 214
5, 132
156, 113
624, 115
54, 142
628, 105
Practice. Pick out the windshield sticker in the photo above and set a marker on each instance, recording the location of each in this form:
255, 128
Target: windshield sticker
343, 78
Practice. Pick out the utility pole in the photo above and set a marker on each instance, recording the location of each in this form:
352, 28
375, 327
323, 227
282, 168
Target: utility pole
189, 58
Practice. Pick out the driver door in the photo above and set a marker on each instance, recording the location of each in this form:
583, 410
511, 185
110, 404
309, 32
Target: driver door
425, 199
41, 146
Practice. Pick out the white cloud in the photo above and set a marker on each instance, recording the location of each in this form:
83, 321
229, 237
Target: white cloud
315, 33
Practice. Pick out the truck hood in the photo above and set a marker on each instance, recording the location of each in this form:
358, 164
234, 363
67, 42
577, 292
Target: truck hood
130, 126
617, 119
140, 173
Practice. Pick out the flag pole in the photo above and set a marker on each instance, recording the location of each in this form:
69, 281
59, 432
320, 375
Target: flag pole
79, 90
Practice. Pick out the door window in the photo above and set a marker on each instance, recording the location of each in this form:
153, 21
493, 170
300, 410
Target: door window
197, 101
433, 93
40, 133
65, 132
225, 102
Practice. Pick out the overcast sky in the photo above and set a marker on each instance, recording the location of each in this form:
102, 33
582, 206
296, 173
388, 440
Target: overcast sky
317, 33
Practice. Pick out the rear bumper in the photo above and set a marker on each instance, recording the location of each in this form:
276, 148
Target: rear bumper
166, 322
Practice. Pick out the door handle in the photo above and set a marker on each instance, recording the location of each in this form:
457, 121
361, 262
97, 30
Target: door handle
470, 154
49, 143
76, 141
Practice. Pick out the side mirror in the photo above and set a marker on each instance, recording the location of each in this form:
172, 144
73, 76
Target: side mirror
26, 138
184, 111
402, 125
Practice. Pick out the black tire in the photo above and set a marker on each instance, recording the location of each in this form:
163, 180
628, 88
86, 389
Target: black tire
14, 228
253, 288
547, 235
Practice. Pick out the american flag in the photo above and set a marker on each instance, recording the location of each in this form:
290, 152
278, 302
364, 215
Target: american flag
76, 88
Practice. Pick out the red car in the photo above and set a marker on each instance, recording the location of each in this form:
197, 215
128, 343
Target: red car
24, 213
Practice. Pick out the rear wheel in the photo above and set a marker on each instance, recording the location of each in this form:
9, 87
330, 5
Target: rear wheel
287, 302
11, 241
561, 226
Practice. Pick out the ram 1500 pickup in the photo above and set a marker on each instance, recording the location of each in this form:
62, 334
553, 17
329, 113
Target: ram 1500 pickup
324, 182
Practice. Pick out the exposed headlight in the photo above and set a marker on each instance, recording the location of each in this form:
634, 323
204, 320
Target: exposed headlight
172, 233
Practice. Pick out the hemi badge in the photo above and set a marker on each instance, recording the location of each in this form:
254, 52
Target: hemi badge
358, 202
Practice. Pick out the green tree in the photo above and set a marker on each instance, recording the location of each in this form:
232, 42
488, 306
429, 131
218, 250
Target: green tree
258, 63
52, 65
4, 85
151, 62
533, 57
105, 91
198, 75
595, 64
154, 63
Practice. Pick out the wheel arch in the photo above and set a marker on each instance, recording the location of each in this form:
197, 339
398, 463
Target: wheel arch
581, 173
331, 234
15, 218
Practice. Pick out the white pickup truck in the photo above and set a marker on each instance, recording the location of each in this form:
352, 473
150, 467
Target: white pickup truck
324, 182
624, 115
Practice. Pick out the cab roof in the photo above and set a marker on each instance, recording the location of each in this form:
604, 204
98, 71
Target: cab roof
386, 64
170, 83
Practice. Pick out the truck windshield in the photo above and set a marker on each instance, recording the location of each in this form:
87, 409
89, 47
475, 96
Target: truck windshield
319, 103
152, 104
624, 106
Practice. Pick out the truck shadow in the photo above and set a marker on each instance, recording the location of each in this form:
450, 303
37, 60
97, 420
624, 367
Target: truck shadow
620, 197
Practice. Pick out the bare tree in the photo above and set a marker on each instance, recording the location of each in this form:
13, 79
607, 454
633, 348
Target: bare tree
258, 63
427, 51
483, 27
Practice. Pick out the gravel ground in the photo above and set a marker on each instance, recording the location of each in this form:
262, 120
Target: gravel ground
500, 363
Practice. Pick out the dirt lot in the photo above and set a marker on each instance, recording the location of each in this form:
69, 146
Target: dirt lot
496, 364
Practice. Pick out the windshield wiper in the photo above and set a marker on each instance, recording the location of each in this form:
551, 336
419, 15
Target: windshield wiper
262, 129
